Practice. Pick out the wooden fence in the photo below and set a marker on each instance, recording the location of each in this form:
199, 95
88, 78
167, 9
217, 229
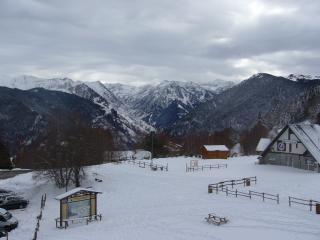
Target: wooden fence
152, 166
264, 196
250, 194
244, 181
299, 201
205, 166
39, 217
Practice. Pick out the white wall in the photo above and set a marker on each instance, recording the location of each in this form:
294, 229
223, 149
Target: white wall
296, 146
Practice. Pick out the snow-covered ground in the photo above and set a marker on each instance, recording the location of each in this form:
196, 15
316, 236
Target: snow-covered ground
138, 203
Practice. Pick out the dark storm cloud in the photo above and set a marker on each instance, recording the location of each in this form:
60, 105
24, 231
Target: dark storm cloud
144, 40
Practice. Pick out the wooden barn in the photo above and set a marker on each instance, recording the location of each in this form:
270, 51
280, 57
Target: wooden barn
214, 152
297, 145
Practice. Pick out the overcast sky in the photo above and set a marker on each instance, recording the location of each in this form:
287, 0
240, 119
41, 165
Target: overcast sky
145, 41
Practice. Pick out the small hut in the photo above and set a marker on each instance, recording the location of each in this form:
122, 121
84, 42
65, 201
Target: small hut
77, 204
214, 152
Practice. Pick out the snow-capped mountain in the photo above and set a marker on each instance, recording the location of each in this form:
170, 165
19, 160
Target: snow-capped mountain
302, 77
218, 86
263, 95
162, 104
96, 92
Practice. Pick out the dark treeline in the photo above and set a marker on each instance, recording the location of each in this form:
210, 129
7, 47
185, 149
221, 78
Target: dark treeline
5, 162
250, 139
193, 142
63, 151
165, 145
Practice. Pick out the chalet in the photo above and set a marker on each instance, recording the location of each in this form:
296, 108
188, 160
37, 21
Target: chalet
297, 145
214, 152
262, 145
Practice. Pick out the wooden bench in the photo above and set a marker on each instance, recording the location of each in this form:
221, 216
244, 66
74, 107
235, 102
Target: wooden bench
212, 218
65, 222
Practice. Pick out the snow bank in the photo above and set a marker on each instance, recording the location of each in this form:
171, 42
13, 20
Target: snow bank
138, 203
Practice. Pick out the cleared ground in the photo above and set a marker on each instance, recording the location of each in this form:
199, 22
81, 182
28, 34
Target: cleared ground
138, 203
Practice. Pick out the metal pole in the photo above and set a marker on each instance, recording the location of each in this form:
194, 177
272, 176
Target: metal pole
152, 148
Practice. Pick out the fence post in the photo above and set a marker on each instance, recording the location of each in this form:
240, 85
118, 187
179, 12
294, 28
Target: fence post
236, 192
232, 183
310, 205
209, 189
263, 196
227, 191
217, 189
250, 193
41, 202
289, 201
278, 200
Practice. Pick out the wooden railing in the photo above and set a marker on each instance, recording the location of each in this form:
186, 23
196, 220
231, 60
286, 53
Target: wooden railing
244, 181
64, 223
152, 166
264, 196
205, 166
223, 187
299, 201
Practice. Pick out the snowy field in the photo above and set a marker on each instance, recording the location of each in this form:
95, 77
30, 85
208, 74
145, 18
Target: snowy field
138, 203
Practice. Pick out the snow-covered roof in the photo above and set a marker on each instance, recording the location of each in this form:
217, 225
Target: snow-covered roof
263, 144
74, 191
216, 148
309, 135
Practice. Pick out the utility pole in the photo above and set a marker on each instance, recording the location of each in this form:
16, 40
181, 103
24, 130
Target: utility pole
152, 133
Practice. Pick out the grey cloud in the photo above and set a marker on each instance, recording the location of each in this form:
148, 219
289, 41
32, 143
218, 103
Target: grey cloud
146, 40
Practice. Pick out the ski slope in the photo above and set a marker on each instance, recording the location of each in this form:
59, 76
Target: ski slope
138, 203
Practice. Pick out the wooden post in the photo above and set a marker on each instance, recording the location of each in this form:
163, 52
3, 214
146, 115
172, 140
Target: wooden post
227, 191
232, 183
209, 189
278, 199
289, 201
310, 205
250, 193
236, 193
263, 196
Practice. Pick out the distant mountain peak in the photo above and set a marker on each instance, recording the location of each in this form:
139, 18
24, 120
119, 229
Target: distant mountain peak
297, 77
